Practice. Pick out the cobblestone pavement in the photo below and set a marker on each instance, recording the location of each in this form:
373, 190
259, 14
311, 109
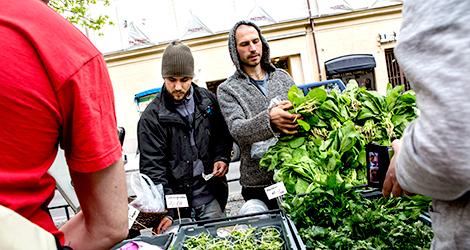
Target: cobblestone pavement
235, 202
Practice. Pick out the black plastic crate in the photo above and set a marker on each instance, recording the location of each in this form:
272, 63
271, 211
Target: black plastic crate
220, 229
368, 192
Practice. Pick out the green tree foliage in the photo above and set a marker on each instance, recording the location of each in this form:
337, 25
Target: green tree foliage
78, 12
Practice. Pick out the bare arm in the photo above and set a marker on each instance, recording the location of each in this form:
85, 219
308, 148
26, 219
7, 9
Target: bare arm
102, 221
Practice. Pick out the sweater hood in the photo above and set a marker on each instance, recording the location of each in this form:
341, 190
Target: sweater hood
232, 46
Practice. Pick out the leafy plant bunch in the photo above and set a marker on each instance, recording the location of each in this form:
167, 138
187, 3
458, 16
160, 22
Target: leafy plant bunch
265, 238
338, 218
334, 129
326, 159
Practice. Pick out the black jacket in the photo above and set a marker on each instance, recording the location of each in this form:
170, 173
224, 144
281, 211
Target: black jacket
165, 149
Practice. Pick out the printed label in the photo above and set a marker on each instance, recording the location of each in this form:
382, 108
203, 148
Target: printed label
176, 200
132, 214
275, 190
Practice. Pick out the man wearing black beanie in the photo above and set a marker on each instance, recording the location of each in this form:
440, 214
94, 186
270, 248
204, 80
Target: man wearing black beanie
183, 138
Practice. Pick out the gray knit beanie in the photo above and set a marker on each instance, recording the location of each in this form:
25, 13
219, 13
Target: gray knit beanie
177, 60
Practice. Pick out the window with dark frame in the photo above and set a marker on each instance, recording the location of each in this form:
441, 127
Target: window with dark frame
282, 63
395, 74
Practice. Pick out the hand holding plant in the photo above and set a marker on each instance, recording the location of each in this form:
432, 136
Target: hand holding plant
282, 120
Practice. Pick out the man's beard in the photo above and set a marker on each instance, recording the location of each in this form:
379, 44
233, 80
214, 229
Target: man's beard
181, 93
250, 65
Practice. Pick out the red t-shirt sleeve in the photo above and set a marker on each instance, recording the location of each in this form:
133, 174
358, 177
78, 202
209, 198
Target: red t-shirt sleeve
89, 131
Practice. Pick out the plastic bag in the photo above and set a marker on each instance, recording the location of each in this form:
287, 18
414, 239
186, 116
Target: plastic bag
149, 197
258, 149
253, 206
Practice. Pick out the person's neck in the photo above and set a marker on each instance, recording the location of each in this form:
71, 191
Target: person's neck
256, 73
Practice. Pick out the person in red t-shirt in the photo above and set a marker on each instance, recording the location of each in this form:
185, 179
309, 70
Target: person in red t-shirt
55, 90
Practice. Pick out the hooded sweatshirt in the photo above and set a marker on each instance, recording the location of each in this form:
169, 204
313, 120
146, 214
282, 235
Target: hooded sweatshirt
433, 50
245, 108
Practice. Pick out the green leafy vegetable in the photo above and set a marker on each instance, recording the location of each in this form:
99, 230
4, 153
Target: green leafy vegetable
326, 159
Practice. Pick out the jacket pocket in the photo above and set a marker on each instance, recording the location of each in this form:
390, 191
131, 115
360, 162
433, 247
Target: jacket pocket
179, 169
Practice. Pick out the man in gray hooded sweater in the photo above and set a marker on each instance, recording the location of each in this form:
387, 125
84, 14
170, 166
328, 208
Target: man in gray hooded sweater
245, 99
433, 157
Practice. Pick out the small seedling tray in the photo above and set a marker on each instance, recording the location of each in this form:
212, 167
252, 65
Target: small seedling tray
221, 229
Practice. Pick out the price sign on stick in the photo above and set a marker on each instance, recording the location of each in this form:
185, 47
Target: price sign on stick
132, 214
275, 190
176, 200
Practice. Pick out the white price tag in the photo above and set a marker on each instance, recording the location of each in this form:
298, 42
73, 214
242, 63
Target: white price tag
275, 190
207, 177
132, 214
176, 200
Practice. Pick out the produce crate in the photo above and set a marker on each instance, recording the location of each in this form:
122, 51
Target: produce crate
426, 219
328, 84
221, 229
369, 192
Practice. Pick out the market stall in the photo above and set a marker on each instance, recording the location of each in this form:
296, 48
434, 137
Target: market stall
333, 198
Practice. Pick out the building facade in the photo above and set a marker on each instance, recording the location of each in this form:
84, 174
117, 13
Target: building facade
352, 45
